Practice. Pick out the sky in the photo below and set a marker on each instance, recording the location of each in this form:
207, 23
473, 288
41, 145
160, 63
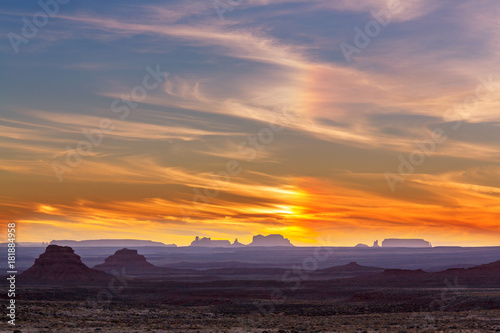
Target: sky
327, 121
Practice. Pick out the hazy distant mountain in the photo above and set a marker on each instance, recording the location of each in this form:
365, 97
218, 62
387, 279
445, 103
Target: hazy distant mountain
270, 240
27, 244
395, 242
110, 242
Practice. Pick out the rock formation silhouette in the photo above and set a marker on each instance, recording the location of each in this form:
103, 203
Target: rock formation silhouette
395, 242
128, 262
270, 240
208, 242
237, 244
60, 265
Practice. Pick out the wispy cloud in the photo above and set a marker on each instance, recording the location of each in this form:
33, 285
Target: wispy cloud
346, 124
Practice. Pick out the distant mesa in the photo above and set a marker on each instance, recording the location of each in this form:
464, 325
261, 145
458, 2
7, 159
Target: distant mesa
110, 243
60, 264
259, 240
208, 242
395, 242
361, 245
27, 244
375, 244
270, 240
126, 261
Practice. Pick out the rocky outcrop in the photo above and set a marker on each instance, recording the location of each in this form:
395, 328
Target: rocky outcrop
270, 240
208, 242
60, 265
375, 244
395, 242
127, 262
237, 244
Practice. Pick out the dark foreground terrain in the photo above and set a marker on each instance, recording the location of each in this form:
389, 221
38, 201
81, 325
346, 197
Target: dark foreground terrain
256, 307
126, 293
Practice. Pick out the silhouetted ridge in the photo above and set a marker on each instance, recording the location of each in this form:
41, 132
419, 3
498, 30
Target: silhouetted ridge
404, 272
493, 265
352, 267
353, 264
